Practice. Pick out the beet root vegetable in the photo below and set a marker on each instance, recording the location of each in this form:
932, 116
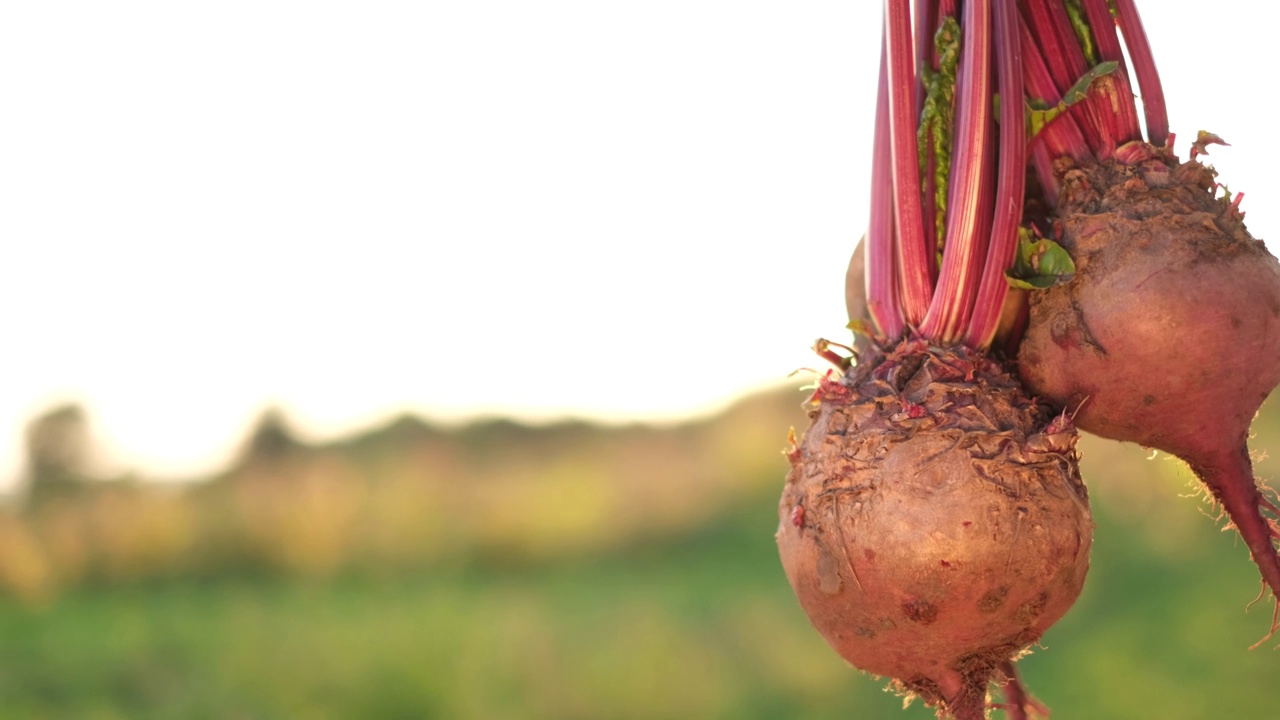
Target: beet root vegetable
934, 524
1169, 333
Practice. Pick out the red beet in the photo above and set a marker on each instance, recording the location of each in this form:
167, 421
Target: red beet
934, 523
1169, 334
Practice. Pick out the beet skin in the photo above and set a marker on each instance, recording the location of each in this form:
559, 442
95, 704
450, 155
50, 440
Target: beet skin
934, 524
1169, 334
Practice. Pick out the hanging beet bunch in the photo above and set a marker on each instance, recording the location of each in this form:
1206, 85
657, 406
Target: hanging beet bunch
1030, 260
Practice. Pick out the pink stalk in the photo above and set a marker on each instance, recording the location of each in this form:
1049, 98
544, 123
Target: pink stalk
915, 250
1038, 18
882, 287
927, 57
1099, 124
1061, 137
1042, 163
994, 287
1055, 40
969, 195
927, 20
926, 14
1114, 89
1144, 67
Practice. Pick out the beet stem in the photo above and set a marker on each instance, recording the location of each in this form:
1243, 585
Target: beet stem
993, 288
1062, 136
882, 284
926, 14
1114, 87
1144, 67
915, 251
1056, 40
935, 136
970, 193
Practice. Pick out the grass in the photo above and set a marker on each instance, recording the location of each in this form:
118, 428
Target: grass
687, 619
697, 626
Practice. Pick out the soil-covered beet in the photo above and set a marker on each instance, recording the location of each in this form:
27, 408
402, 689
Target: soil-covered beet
1173, 306
1169, 333
934, 523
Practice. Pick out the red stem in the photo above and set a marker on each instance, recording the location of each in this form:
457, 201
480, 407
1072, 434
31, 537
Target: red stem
1063, 136
926, 14
1060, 138
928, 17
1038, 18
1055, 40
915, 250
994, 288
1042, 162
882, 287
1114, 91
970, 192
1144, 67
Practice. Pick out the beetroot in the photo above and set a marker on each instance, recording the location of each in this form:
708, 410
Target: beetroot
1169, 333
1170, 294
934, 522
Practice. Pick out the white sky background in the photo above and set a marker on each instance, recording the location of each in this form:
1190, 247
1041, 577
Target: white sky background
599, 208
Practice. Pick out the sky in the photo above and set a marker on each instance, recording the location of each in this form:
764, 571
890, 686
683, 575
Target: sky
605, 209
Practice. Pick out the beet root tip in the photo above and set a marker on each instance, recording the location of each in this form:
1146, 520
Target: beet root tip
1230, 479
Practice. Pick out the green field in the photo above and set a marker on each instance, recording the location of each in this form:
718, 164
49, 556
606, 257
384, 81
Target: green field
691, 619
702, 626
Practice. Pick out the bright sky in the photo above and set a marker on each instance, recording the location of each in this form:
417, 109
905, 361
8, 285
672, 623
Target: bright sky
607, 209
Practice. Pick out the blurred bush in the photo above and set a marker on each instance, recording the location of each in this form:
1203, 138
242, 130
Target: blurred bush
406, 496
564, 571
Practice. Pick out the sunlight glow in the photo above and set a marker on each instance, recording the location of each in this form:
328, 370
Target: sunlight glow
611, 210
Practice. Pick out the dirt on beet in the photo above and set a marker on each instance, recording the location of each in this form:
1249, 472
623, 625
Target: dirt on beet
934, 523
1173, 306
1169, 333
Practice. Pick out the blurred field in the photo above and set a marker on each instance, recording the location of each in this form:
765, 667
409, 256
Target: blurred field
570, 571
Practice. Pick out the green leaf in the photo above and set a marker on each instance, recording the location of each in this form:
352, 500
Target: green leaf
1040, 264
1080, 90
1084, 34
861, 327
1054, 260
1041, 112
1035, 283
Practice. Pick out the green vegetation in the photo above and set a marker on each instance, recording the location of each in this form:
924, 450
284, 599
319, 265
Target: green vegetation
659, 595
